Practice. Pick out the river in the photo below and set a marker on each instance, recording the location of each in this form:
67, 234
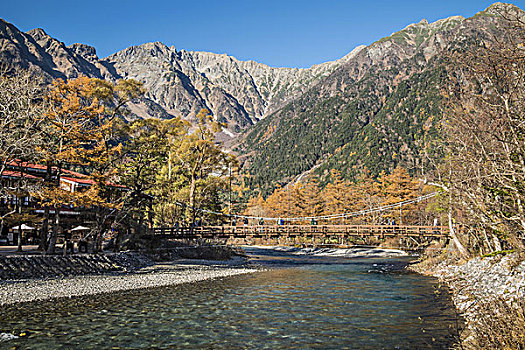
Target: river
302, 302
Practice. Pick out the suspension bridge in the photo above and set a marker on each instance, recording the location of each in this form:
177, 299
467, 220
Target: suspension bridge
286, 231
317, 235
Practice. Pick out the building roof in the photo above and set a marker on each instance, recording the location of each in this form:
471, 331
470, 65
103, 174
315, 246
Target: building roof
73, 173
69, 175
26, 165
40, 168
78, 181
17, 174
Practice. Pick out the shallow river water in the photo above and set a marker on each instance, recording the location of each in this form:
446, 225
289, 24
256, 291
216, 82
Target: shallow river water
305, 302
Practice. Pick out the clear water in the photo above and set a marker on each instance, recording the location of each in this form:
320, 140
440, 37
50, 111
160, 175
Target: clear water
313, 303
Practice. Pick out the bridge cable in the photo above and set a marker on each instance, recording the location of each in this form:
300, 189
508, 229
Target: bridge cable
321, 217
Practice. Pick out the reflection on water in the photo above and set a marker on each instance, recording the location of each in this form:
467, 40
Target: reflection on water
339, 304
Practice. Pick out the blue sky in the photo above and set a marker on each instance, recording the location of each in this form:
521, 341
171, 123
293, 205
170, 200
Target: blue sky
286, 33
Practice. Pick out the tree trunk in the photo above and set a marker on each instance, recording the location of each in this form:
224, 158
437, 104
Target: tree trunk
454, 236
150, 214
54, 234
43, 245
487, 241
19, 249
192, 198
97, 242
118, 242
497, 243
99, 230
19, 209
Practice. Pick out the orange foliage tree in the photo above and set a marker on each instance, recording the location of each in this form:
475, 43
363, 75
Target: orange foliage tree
79, 127
340, 196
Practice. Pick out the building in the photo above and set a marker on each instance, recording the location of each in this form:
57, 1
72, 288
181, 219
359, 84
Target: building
30, 177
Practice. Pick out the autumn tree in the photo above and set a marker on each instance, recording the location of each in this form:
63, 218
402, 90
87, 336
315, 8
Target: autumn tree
102, 156
79, 125
397, 187
276, 204
20, 107
311, 203
334, 194
288, 202
484, 170
145, 153
256, 206
366, 195
68, 122
342, 196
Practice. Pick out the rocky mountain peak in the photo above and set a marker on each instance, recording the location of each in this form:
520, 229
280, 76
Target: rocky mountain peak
38, 34
352, 53
148, 50
155, 48
499, 8
237, 92
448, 22
46, 41
86, 51
6, 26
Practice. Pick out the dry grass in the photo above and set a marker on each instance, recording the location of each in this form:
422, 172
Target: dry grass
500, 325
434, 255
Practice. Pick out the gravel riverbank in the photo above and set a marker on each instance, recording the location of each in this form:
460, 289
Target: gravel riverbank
486, 292
165, 274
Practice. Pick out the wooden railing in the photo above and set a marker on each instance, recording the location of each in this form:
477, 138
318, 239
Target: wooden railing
309, 231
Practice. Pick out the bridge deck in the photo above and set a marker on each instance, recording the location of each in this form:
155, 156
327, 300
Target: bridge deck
307, 231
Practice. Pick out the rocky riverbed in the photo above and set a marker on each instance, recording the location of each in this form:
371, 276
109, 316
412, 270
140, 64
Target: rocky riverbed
481, 288
165, 274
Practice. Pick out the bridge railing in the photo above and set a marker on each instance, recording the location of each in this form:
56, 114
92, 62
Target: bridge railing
301, 230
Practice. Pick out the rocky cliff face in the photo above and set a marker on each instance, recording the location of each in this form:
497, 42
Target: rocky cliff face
236, 92
46, 56
259, 88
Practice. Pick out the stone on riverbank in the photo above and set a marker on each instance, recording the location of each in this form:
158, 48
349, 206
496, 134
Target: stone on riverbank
150, 277
39, 277
50, 266
45, 266
478, 283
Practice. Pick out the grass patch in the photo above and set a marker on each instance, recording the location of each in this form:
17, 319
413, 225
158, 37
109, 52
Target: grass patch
499, 252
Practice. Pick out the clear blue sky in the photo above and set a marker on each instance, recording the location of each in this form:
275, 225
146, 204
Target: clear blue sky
286, 33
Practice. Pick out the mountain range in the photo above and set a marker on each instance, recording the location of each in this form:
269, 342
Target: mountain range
372, 108
178, 83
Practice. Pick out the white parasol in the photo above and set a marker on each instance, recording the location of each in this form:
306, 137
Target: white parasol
23, 227
80, 228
